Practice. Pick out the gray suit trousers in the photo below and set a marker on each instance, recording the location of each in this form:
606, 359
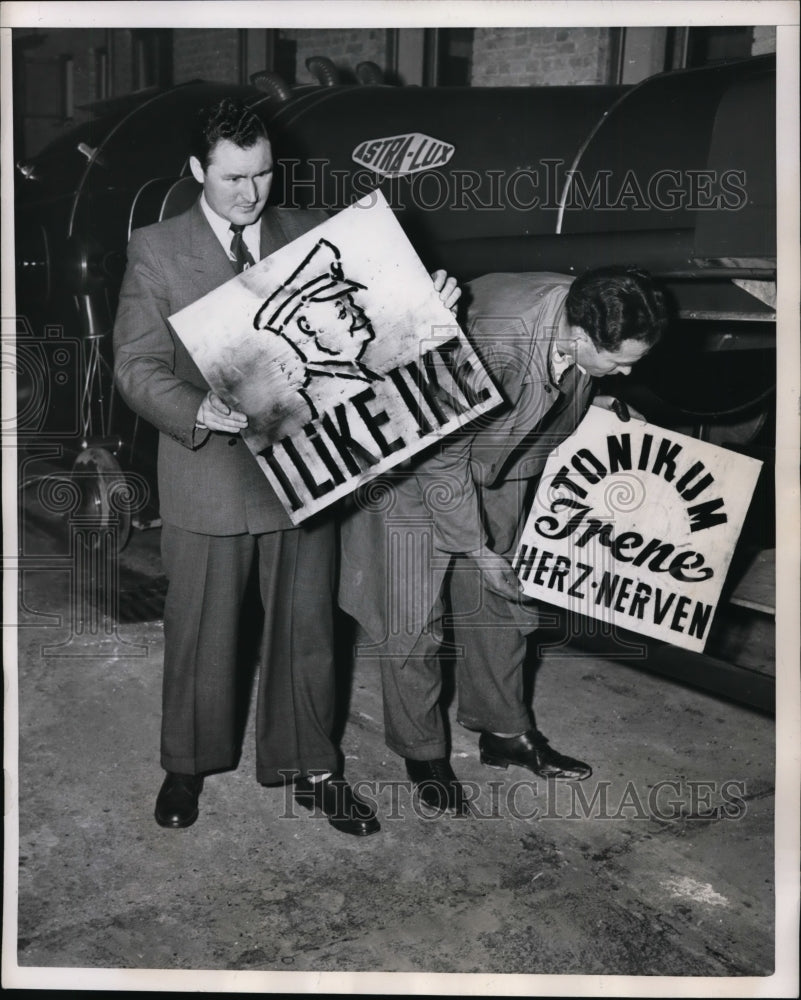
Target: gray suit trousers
207, 577
490, 639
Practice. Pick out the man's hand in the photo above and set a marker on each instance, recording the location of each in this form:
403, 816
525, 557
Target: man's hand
449, 291
623, 410
216, 415
496, 573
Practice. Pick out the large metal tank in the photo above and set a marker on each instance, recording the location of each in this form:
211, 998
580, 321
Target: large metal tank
74, 208
676, 174
663, 175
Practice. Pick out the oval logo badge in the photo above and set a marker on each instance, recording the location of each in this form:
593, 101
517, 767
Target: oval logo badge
397, 155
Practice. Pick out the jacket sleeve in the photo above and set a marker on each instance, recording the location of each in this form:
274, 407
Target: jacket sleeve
446, 477
450, 495
447, 486
144, 350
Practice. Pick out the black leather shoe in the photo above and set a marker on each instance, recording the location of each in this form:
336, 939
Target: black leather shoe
530, 750
438, 786
176, 805
346, 812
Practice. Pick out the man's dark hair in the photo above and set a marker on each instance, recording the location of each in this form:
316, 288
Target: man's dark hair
614, 304
227, 119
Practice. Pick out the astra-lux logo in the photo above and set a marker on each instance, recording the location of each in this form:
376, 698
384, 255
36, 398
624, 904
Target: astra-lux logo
398, 155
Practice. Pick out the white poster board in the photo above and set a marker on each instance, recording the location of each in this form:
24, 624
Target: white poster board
635, 526
340, 352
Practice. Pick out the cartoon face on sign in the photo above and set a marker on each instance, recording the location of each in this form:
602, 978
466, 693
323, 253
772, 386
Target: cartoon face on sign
340, 352
316, 313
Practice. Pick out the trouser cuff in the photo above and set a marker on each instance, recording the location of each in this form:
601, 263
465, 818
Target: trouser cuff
420, 751
221, 759
520, 724
288, 773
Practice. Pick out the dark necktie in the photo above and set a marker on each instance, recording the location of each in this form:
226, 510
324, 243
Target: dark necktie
242, 257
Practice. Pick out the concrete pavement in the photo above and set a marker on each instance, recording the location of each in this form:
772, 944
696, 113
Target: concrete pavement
660, 864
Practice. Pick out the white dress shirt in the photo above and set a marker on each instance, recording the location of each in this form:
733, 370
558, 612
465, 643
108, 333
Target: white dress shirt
222, 230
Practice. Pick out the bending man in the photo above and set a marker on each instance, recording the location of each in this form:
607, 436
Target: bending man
456, 515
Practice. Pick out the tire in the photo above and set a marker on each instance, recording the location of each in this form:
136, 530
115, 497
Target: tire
101, 482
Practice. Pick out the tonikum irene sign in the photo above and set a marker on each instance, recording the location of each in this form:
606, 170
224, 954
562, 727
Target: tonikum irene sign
635, 526
340, 352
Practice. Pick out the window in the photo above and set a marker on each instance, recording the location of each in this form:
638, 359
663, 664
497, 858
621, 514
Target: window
152, 57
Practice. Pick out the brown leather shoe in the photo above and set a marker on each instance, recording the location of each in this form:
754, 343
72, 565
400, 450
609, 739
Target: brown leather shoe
530, 750
176, 805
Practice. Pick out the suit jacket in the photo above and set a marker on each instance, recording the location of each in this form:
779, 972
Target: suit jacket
512, 321
397, 549
208, 482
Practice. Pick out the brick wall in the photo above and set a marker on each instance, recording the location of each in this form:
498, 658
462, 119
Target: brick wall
121, 55
205, 54
500, 57
40, 86
346, 47
514, 57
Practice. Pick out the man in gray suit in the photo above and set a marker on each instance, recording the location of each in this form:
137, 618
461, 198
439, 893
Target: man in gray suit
451, 524
218, 511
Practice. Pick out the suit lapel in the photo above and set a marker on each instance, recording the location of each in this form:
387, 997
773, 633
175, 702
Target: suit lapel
545, 411
571, 405
204, 263
532, 400
273, 234
203, 259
